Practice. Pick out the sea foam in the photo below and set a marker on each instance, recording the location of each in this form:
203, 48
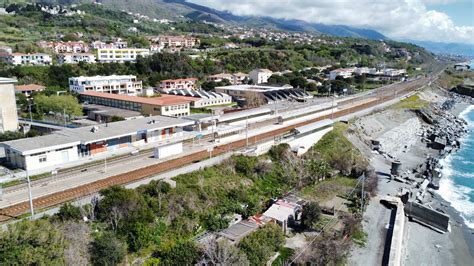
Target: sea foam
457, 184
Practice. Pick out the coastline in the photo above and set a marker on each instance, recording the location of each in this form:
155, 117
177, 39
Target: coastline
422, 245
461, 233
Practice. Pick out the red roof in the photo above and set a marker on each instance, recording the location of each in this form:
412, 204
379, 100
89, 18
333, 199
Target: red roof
163, 100
30, 87
178, 80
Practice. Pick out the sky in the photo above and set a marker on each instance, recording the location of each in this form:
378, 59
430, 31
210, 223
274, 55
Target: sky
422, 20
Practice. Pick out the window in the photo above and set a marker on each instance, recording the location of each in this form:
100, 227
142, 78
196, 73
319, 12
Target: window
42, 158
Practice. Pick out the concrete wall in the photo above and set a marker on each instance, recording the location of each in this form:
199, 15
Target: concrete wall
168, 150
427, 216
53, 158
8, 111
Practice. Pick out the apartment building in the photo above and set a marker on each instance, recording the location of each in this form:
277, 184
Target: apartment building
341, 72
166, 105
259, 76
8, 111
174, 43
27, 59
178, 84
66, 47
125, 84
74, 58
120, 55
234, 79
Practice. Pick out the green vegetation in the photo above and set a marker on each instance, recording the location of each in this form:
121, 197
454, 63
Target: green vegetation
9, 135
260, 245
451, 78
412, 102
106, 249
359, 237
61, 104
284, 257
310, 215
339, 153
159, 223
32, 243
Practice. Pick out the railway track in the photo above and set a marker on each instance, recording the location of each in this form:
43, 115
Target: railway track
57, 198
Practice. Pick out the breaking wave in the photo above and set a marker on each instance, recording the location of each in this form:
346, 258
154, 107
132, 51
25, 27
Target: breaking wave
457, 184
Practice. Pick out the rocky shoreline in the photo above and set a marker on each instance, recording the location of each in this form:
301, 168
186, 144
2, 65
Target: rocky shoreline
417, 142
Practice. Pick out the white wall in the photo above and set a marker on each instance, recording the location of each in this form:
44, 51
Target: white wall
8, 111
168, 150
53, 159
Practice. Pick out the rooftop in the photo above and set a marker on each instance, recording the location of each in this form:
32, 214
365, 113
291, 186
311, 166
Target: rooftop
85, 135
255, 88
178, 80
263, 70
163, 100
106, 77
29, 87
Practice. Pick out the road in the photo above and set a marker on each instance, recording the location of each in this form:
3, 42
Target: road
126, 170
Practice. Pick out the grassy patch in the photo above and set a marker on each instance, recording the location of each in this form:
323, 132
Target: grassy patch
200, 111
359, 237
329, 188
412, 102
285, 255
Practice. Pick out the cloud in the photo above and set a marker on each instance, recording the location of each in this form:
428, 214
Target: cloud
399, 19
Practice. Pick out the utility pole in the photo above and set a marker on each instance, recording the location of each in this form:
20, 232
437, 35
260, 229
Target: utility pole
105, 159
362, 192
247, 130
29, 193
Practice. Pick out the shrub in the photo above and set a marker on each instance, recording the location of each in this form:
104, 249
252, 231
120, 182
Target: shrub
106, 249
310, 215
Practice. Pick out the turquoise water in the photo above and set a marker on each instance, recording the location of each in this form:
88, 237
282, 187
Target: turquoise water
457, 184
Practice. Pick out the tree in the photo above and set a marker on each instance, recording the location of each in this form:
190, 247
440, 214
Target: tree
261, 244
32, 243
58, 104
69, 212
299, 82
221, 252
122, 208
106, 249
280, 152
182, 253
278, 80
310, 215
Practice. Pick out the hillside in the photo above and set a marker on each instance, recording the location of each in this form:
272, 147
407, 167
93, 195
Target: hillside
179, 10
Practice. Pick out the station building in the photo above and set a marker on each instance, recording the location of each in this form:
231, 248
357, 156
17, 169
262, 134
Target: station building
167, 105
75, 146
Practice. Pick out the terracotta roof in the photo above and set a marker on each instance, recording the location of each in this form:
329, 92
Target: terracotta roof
162, 100
29, 87
178, 80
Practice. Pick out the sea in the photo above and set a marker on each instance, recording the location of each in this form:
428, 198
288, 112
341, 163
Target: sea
457, 184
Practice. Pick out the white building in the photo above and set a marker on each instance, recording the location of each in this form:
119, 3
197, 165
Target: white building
28, 59
76, 146
120, 55
259, 76
201, 98
341, 72
8, 111
394, 72
125, 84
74, 58
178, 84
